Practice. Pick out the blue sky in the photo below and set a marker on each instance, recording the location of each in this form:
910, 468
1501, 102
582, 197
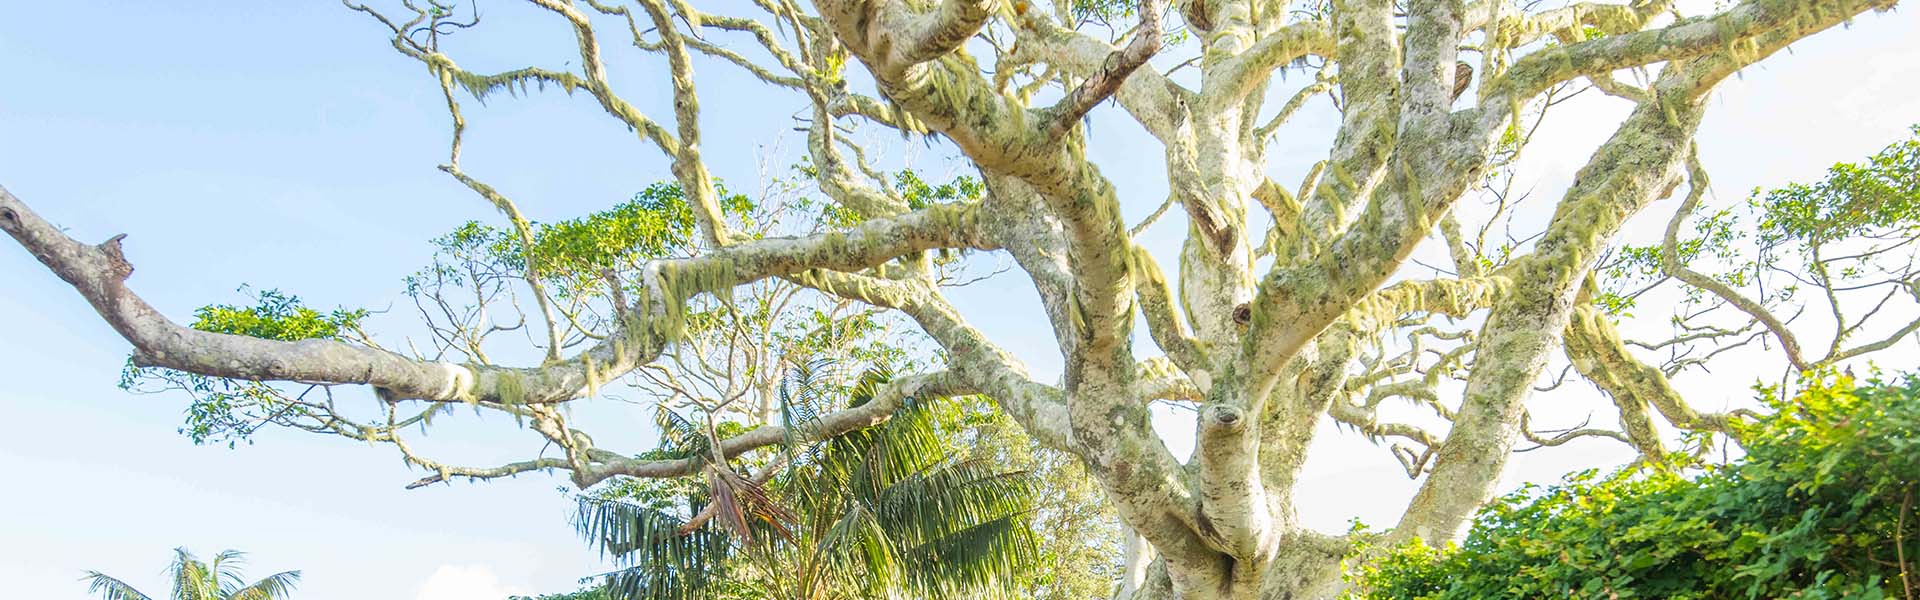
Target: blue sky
285, 145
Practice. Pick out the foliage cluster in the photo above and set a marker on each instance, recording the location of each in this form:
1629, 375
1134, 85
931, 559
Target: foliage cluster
574, 256
1838, 232
1820, 507
228, 410
1865, 198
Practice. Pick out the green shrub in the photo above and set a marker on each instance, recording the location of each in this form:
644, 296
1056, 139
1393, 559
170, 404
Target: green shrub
1821, 507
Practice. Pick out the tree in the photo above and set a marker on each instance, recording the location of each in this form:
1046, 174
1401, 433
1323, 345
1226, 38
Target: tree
896, 510
1080, 539
195, 580
1323, 315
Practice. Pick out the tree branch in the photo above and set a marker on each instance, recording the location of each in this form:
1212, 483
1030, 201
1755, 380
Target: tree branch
99, 274
1118, 66
935, 34
1595, 348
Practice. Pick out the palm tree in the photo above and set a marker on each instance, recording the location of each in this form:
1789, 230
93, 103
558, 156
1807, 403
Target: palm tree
195, 580
891, 511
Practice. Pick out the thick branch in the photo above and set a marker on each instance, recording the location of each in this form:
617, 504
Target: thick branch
99, 273
1731, 32
935, 34
1240, 75
1150, 97
1639, 164
885, 402
1118, 66
1162, 313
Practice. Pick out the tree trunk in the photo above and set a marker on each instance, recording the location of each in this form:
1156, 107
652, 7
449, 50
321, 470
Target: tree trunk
1304, 567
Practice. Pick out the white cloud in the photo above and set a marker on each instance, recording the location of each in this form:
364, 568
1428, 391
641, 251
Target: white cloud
465, 582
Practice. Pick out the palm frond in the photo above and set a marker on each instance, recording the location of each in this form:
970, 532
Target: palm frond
658, 561
744, 505
949, 498
806, 392
882, 512
726, 498
982, 559
273, 587
800, 398
225, 569
110, 588
908, 511
870, 460
680, 436
860, 553
191, 578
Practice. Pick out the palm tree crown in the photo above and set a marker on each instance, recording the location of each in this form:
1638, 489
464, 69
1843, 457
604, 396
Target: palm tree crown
885, 512
196, 580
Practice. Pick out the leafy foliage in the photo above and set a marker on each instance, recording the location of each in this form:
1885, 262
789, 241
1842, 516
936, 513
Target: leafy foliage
1879, 194
655, 223
908, 185
920, 194
196, 580
229, 410
574, 255
1101, 10
1821, 507
276, 316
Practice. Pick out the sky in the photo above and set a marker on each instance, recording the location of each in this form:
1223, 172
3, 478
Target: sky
285, 145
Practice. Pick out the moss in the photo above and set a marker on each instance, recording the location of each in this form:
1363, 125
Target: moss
514, 82
510, 387
680, 283
593, 374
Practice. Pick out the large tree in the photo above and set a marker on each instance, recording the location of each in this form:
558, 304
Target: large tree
1287, 306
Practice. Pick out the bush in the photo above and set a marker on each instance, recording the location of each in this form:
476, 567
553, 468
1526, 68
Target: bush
1821, 507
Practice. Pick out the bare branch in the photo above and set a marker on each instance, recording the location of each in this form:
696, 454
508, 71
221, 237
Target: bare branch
1597, 352
1670, 263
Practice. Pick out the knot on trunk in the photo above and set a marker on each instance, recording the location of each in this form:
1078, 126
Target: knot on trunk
116, 259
